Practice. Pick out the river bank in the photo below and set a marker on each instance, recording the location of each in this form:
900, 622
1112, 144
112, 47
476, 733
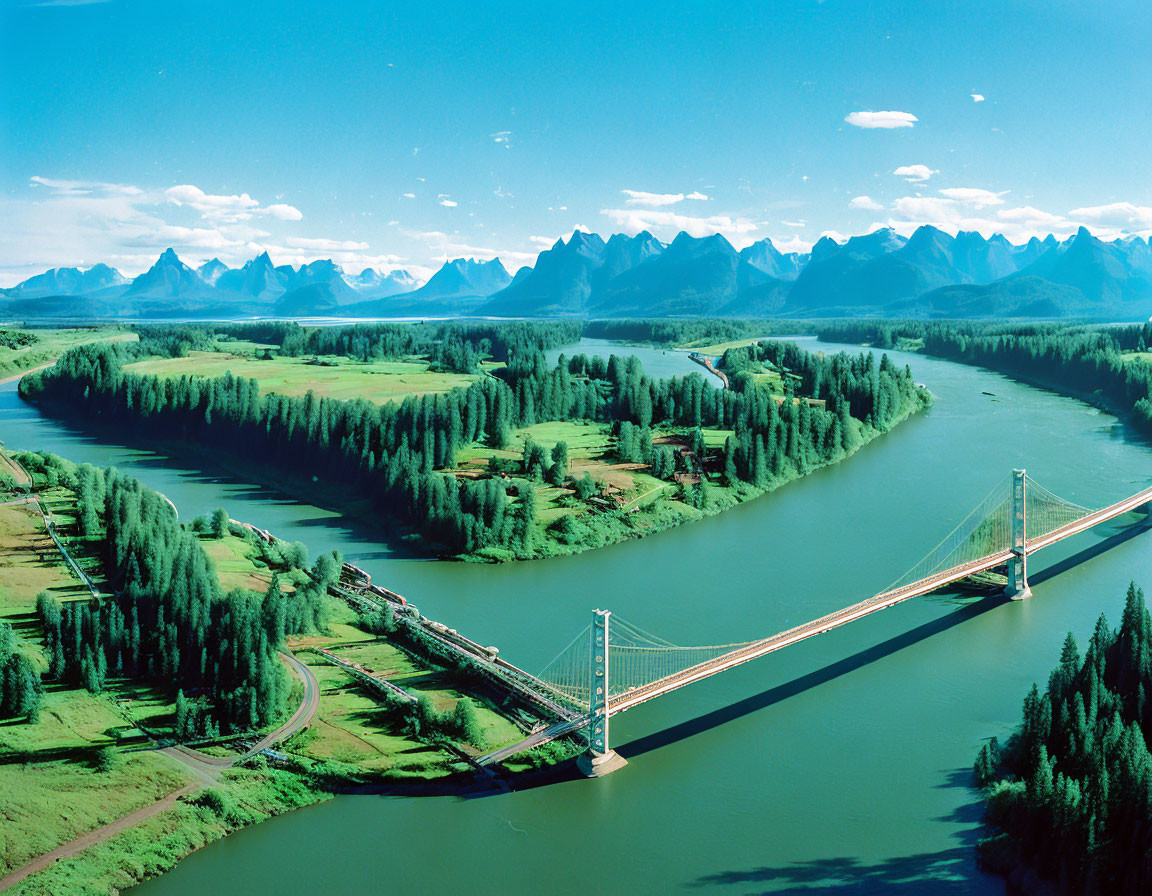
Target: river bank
860, 741
658, 507
226, 790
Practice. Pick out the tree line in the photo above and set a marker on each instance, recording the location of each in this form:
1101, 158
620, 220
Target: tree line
1083, 360
682, 332
396, 453
1070, 793
167, 620
457, 347
20, 688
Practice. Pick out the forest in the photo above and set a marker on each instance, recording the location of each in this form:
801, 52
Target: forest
1069, 795
167, 621
20, 686
398, 453
456, 347
683, 332
1088, 361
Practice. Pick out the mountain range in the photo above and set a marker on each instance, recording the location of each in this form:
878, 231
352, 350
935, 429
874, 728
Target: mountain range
929, 274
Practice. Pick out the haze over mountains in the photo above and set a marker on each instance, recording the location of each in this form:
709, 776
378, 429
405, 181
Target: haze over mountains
930, 274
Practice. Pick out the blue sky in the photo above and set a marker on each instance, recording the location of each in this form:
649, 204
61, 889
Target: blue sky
400, 134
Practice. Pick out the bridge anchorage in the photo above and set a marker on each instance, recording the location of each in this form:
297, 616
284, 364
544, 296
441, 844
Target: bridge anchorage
614, 665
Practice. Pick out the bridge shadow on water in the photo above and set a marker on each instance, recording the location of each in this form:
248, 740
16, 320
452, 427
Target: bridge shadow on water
779, 693
926, 873
772, 696
947, 871
944, 872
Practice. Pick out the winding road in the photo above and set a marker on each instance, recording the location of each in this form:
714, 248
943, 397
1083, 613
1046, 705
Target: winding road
203, 764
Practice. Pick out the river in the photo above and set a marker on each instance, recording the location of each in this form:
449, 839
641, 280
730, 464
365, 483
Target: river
841, 763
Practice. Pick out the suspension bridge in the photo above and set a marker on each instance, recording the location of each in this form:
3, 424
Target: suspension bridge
613, 665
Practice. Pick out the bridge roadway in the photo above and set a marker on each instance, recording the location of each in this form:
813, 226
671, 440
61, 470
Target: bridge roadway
866, 607
882, 601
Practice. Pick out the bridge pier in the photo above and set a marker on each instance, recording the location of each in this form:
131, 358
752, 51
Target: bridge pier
1017, 588
600, 759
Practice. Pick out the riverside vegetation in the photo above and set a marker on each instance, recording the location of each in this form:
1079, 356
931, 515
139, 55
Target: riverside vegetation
530, 459
163, 652
1069, 795
1109, 366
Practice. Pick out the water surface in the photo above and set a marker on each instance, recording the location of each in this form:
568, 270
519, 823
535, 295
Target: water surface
840, 763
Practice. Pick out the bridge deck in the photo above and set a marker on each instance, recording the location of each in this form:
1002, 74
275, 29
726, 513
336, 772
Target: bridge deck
757, 649
866, 607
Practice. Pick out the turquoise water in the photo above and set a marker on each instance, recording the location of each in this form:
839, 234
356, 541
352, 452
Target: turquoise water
838, 764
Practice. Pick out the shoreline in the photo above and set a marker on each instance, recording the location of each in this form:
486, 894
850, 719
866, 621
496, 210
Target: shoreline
16, 377
399, 537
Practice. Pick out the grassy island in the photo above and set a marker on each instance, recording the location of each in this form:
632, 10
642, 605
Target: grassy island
471, 441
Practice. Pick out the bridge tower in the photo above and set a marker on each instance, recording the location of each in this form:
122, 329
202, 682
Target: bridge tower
600, 759
1017, 588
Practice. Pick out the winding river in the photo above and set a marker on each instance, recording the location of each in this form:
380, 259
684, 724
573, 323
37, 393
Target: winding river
841, 763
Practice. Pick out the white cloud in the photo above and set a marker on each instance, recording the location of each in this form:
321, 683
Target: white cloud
223, 208
547, 242
658, 200
966, 208
865, 202
81, 222
408, 195
449, 203
354, 260
324, 245
794, 223
504, 137
881, 119
977, 97
284, 212
915, 173
185, 237
973, 196
1035, 218
448, 246
85, 187
227, 208
1118, 214
928, 209
633, 220
639, 197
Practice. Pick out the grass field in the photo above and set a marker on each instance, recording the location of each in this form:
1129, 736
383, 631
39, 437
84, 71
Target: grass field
31, 563
51, 344
353, 727
245, 796
337, 377
591, 449
395, 665
236, 569
87, 762
54, 789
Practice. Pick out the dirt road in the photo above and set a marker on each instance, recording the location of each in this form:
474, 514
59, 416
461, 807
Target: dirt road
206, 768
99, 835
